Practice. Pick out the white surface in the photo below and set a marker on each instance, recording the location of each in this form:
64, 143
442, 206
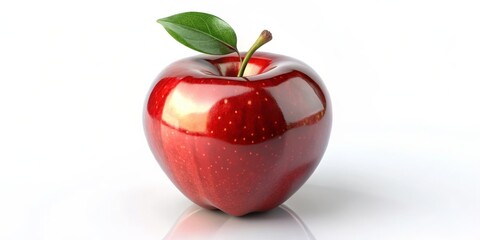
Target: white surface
403, 160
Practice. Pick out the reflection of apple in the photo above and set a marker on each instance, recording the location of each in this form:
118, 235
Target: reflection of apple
198, 223
238, 144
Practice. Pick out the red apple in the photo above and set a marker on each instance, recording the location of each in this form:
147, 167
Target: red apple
238, 144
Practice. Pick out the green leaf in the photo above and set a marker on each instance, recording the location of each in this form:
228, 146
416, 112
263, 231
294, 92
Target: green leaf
201, 32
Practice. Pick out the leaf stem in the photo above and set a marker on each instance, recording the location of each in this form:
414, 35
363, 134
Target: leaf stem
239, 57
264, 37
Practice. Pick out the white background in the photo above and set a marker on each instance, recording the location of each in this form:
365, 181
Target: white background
403, 160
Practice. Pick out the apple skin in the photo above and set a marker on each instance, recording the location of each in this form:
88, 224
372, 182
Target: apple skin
238, 144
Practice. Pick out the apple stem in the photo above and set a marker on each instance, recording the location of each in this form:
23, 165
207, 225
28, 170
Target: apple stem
264, 37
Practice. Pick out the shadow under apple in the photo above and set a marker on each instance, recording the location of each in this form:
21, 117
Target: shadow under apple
200, 223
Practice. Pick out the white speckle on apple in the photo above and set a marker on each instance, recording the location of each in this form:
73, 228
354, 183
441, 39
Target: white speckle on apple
249, 102
225, 101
